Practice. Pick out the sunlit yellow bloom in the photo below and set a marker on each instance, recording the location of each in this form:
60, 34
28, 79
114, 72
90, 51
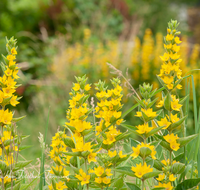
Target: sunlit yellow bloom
169, 37
99, 171
176, 39
164, 122
76, 87
84, 178
87, 87
171, 138
172, 178
161, 177
175, 105
13, 51
140, 169
174, 145
91, 157
112, 154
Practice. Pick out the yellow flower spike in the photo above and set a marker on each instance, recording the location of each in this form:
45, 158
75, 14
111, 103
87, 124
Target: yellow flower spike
161, 177
144, 128
172, 178
175, 105
164, 122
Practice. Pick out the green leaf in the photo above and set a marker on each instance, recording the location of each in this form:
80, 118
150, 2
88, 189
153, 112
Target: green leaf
131, 128
118, 183
21, 164
167, 102
3, 166
188, 184
144, 152
129, 110
159, 188
153, 131
182, 100
18, 118
69, 142
156, 92
125, 170
72, 153
132, 186
122, 136
139, 101
15, 187
152, 103
176, 124
24, 147
163, 143
178, 168
185, 140
151, 174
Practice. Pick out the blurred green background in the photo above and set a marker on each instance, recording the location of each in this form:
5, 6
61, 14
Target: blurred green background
58, 39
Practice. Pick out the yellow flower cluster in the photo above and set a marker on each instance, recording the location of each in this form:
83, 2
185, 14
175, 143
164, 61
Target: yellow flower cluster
108, 110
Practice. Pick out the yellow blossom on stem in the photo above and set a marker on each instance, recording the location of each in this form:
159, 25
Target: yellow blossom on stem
83, 177
99, 171
161, 177
171, 138
164, 122
112, 154
171, 177
91, 157
122, 156
175, 105
140, 169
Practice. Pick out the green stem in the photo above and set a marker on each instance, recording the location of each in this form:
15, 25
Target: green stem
142, 184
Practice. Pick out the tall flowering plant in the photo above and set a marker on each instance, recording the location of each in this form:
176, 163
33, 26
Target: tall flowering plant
10, 140
93, 153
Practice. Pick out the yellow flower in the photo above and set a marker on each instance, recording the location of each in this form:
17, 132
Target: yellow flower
164, 122
108, 172
8, 72
160, 104
141, 170
175, 105
169, 37
171, 138
122, 156
14, 101
84, 178
174, 118
149, 112
99, 171
76, 87
87, 87
10, 57
136, 152
165, 57
98, 180
13, 51
106, 180
161, 177
168, 185
5, 116
61, 185
172, 178
138, 114
91, 157
112, 154
176, 39
143, 128
174, 145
